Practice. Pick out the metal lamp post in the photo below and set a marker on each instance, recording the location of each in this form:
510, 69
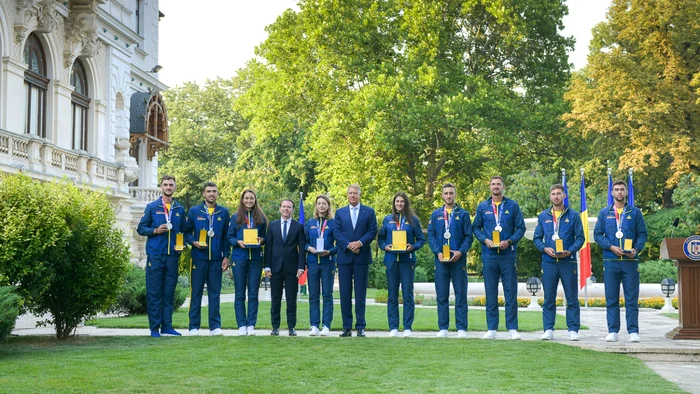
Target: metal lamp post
668, 287
534, 285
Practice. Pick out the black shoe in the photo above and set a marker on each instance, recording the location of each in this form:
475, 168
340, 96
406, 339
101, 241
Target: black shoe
346, 333
292, 332
361, 333
275, 332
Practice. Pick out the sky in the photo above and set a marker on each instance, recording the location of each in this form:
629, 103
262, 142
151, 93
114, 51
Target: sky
206, 42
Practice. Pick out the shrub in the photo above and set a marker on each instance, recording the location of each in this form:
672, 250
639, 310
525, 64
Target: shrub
9, 309
654, 271
377, 273
61, 247
132, 297
382, 296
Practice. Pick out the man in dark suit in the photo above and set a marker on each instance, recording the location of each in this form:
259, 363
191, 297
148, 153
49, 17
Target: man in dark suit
354, 227
284, 263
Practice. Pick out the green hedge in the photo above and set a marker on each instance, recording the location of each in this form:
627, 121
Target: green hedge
131, 300
9, 310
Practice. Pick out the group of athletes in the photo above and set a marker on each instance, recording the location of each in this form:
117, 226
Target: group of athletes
339, 241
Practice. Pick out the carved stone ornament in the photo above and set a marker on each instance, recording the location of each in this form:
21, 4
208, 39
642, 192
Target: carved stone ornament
131, 168
80, 34
47, 16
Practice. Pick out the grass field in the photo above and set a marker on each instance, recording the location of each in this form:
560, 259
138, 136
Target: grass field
425, 319
267, 364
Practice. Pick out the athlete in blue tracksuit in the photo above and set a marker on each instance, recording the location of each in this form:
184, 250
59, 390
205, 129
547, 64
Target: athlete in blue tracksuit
618, 224
401, 265
459, 238
321, 265
209, 220
563, 224
503, 215
161, 221
246, 260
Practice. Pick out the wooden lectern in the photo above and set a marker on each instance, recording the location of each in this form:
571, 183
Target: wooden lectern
688, 289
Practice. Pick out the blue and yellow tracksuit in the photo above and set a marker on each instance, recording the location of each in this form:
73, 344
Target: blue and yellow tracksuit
621, 269
246, 264
400, 268
162, 261
461, 239
565, 268
500, 262
206, 263
321, 272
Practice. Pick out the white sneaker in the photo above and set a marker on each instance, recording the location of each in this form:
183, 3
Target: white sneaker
394, 333
490, 334
216, 332
612, 337
548, 335
251, 330
442, 334
461, 334
514, 335
313, 332
194, 332
573, 336
243, 330
325, 331
407, 333
634, 337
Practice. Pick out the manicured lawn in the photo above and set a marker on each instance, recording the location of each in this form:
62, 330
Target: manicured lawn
425, 319
673, 316
283, 364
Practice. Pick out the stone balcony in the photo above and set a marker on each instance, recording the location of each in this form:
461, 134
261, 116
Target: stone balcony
39, 158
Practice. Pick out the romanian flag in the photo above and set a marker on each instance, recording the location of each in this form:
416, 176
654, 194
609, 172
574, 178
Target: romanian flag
566, 188
610, 196
585, 252
302, 219
630, 190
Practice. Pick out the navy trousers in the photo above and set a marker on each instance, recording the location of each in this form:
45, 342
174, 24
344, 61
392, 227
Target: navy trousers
627, 273
209, 272
551, 274
321, 278
501, 266
246, 275
347, 275
161, 279
457, 273
400, 274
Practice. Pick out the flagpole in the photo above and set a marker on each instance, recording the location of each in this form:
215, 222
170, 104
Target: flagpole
585, 286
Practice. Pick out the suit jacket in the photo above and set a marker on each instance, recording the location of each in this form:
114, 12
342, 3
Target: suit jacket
287, 256
365, 231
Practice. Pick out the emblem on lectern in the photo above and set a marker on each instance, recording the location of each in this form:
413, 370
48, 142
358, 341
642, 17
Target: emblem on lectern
691, 247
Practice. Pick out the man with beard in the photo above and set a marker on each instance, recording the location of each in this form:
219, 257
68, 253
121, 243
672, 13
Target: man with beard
499, 225
622, 233
207, 222
162, 220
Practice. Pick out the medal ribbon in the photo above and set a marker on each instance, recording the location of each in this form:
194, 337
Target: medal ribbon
168, 212
210, 217
399, 223
321, 227
448, 218
249, 219
496, 215
556, 222
619, 218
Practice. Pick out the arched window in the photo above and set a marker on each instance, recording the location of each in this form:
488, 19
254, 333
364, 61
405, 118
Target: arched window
35, 83
79, 105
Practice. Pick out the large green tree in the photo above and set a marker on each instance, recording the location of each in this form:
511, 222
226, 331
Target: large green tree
638, 96
406, 94
203, 135
60, 246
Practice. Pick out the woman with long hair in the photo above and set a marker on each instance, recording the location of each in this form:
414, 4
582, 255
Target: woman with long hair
321, 265
400, 237
246, 259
